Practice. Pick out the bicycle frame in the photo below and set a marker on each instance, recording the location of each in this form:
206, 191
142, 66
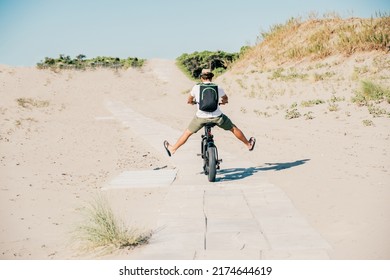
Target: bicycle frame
207, 139
210, 165
209, 152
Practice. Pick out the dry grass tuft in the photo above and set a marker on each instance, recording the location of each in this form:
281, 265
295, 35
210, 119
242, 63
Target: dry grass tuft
29, 103
102, 229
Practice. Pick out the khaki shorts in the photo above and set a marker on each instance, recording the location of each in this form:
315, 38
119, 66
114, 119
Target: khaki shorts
222, 121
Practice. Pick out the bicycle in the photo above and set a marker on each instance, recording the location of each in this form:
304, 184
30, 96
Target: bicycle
209, 151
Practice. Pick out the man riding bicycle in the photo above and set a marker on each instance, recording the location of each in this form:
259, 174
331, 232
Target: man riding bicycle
202, 117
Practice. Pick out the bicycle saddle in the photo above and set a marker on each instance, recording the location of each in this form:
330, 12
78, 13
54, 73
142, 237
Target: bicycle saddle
210, 124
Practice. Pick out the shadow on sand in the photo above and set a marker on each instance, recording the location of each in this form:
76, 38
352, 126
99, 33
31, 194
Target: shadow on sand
233, 174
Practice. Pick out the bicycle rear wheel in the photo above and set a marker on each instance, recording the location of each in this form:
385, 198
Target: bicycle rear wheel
212, 163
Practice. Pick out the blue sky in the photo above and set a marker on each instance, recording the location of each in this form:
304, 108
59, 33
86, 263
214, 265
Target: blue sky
33, 29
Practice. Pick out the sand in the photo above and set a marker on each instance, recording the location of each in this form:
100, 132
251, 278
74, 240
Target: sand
60, 150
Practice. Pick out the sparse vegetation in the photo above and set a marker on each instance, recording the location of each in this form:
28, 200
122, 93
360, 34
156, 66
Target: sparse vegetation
80, 62
333, 107
264, 114
332, 103
19, 123
371, 92
376, 111
368, 123
373, 96
298, 51
186, 92
292, 112
30, 102
103, 229
241, 83
291, 75
311, 103
279, 107
321, 77
318, 38
335, 99
309, 115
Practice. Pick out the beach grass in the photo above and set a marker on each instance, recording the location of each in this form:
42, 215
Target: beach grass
102, 228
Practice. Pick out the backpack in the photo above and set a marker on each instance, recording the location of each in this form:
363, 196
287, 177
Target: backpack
208, 97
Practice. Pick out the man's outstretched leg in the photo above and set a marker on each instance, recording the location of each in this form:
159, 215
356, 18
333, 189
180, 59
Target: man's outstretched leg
240, 135
183, 138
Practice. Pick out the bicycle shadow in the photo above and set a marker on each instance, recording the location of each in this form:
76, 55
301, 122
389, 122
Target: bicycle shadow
233, 174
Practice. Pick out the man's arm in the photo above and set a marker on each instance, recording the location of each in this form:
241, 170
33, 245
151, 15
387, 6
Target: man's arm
224, 99
190, 99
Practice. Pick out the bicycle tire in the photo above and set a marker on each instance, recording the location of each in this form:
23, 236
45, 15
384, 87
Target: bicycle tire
212, 163
203, 153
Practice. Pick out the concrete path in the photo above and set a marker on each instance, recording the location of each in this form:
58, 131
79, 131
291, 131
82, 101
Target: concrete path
241, 216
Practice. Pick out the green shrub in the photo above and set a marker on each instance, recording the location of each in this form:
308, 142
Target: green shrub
66, 62
192, 64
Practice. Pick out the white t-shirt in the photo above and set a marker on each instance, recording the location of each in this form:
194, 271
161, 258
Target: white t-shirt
195, 92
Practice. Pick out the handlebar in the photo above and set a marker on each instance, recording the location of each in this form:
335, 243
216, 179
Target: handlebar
195, 102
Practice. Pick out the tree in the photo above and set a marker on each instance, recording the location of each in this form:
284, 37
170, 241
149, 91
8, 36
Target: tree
80, 57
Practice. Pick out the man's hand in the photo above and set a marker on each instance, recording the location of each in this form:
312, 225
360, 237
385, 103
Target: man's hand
224, 100
190, 100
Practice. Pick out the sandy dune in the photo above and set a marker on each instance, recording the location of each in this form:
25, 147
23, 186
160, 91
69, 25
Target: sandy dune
58, 152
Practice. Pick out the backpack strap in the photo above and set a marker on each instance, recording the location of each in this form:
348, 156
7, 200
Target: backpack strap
211, 84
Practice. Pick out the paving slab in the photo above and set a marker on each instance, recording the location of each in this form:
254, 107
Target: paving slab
218, 241
171, 226
232, 225
307, 254
303, 240
228, 255
290, 224
142, 179
232, 201
181, 246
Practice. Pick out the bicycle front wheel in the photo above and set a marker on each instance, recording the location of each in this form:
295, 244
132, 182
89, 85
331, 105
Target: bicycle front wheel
212, 163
